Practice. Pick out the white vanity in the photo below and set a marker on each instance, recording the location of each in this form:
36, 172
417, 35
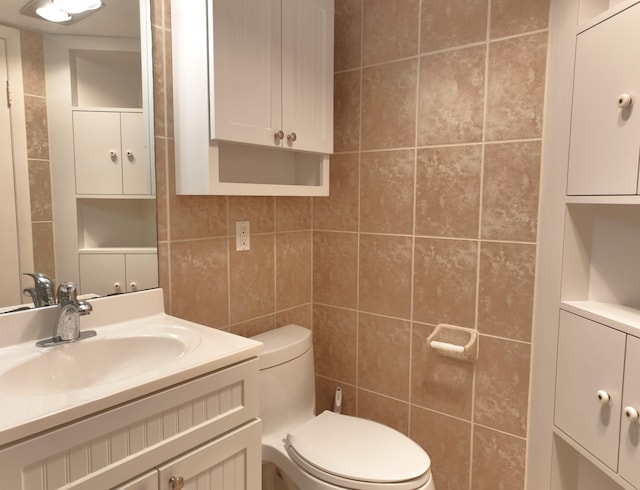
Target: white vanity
150, 402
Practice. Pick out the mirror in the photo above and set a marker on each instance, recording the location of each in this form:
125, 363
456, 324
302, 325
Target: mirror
76, 148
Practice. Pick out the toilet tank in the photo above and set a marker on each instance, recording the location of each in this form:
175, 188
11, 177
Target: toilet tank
287, 387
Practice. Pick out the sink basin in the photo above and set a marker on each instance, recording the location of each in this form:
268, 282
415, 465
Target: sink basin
90, 362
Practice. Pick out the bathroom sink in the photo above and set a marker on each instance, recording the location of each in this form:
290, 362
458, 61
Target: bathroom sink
90, 362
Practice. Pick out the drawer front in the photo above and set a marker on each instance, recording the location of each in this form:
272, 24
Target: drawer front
590, 359
107, 449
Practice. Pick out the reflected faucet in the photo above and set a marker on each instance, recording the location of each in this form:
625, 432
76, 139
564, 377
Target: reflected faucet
70, 309
42, 293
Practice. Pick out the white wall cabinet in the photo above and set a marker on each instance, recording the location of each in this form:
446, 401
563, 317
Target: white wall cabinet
110, 153
253, 96
112, 272
605, 130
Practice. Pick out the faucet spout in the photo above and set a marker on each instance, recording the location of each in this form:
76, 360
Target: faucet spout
42, 293
70, 309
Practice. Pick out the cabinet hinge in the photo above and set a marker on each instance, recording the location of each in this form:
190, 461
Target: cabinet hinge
8, 95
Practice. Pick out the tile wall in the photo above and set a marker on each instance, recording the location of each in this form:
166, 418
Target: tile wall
35, 103
432, 219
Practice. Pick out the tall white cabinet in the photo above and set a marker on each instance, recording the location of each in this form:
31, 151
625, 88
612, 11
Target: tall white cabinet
253, 96
585, 403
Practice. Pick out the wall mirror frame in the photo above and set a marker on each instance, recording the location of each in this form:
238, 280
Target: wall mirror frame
91, 232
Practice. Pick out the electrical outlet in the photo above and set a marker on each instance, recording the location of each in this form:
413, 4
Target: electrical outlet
243, 240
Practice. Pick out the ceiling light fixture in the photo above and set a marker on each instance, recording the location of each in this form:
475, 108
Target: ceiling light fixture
61, 11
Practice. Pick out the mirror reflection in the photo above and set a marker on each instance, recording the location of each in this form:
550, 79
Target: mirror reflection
77, 178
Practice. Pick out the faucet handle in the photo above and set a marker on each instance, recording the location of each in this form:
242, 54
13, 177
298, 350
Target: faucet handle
42, 293
67, 292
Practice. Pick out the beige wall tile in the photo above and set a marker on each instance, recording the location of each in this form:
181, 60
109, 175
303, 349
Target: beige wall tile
348, 34
199, 281
164, 274
346, 111
502, 385
386, 191
293, 269
448, 191
498, 460
448, 442
510, 191
251, 281
169, 79
515, 87
258, 210
159, 82
387, 411
325, 393
254, 327
451, 95
302, 315
388, 105
437, 382
383, 355
385, 275
512, 17
43, 249
40, 190
293, 213
447, 24
339, 211
335, 266
335, 343
35, 111
162, 146
157, 13
444, 288
32, 54
505, 303
390, 30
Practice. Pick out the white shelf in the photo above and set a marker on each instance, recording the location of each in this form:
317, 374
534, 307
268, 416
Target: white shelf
623, 318
116, 196
628, 199
118, 250
605, 14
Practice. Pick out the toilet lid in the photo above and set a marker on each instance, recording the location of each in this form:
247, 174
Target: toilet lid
358, 449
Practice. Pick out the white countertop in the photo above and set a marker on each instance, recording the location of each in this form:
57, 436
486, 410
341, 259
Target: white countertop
23, 414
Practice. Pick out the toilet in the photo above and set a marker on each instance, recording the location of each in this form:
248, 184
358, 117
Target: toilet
329, 451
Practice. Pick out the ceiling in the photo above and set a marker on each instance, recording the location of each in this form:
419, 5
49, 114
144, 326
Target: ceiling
119, 18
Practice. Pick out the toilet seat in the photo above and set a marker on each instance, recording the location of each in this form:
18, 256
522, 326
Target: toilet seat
338, 449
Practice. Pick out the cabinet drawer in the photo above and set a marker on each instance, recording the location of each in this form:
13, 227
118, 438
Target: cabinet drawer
590, 358
106, 449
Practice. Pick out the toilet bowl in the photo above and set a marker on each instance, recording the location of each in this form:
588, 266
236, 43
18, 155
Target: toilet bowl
329, 451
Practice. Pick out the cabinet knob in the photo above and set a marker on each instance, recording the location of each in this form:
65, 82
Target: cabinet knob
129, 154
133, 286
631, 414
116, 287
176, 482
624, 101
113, 154
603, 397
279, 135
292, 137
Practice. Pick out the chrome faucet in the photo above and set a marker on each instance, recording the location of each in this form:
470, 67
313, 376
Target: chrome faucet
42, 293
70, 309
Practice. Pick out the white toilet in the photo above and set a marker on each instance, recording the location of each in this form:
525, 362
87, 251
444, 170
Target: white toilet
328, 451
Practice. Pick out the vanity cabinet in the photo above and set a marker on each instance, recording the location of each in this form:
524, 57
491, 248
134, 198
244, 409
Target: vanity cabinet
253, 96
110, 153
205, 431
605, 120
112, 272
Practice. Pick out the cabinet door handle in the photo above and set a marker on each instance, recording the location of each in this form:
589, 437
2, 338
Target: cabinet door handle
292, 137
603, 397
129, 154
176, 482
279, 135
631, 414
624, 101
113, 154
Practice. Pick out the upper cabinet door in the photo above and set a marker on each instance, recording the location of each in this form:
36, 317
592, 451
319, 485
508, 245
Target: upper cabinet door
629, 468
605, 138
136, 169
307, 74
245, 71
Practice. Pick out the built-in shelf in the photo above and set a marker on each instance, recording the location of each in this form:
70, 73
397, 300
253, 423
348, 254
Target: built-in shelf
626, 200
620, 317
592, 12
118, 250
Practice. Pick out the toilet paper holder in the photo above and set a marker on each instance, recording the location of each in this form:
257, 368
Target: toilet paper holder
454, 342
